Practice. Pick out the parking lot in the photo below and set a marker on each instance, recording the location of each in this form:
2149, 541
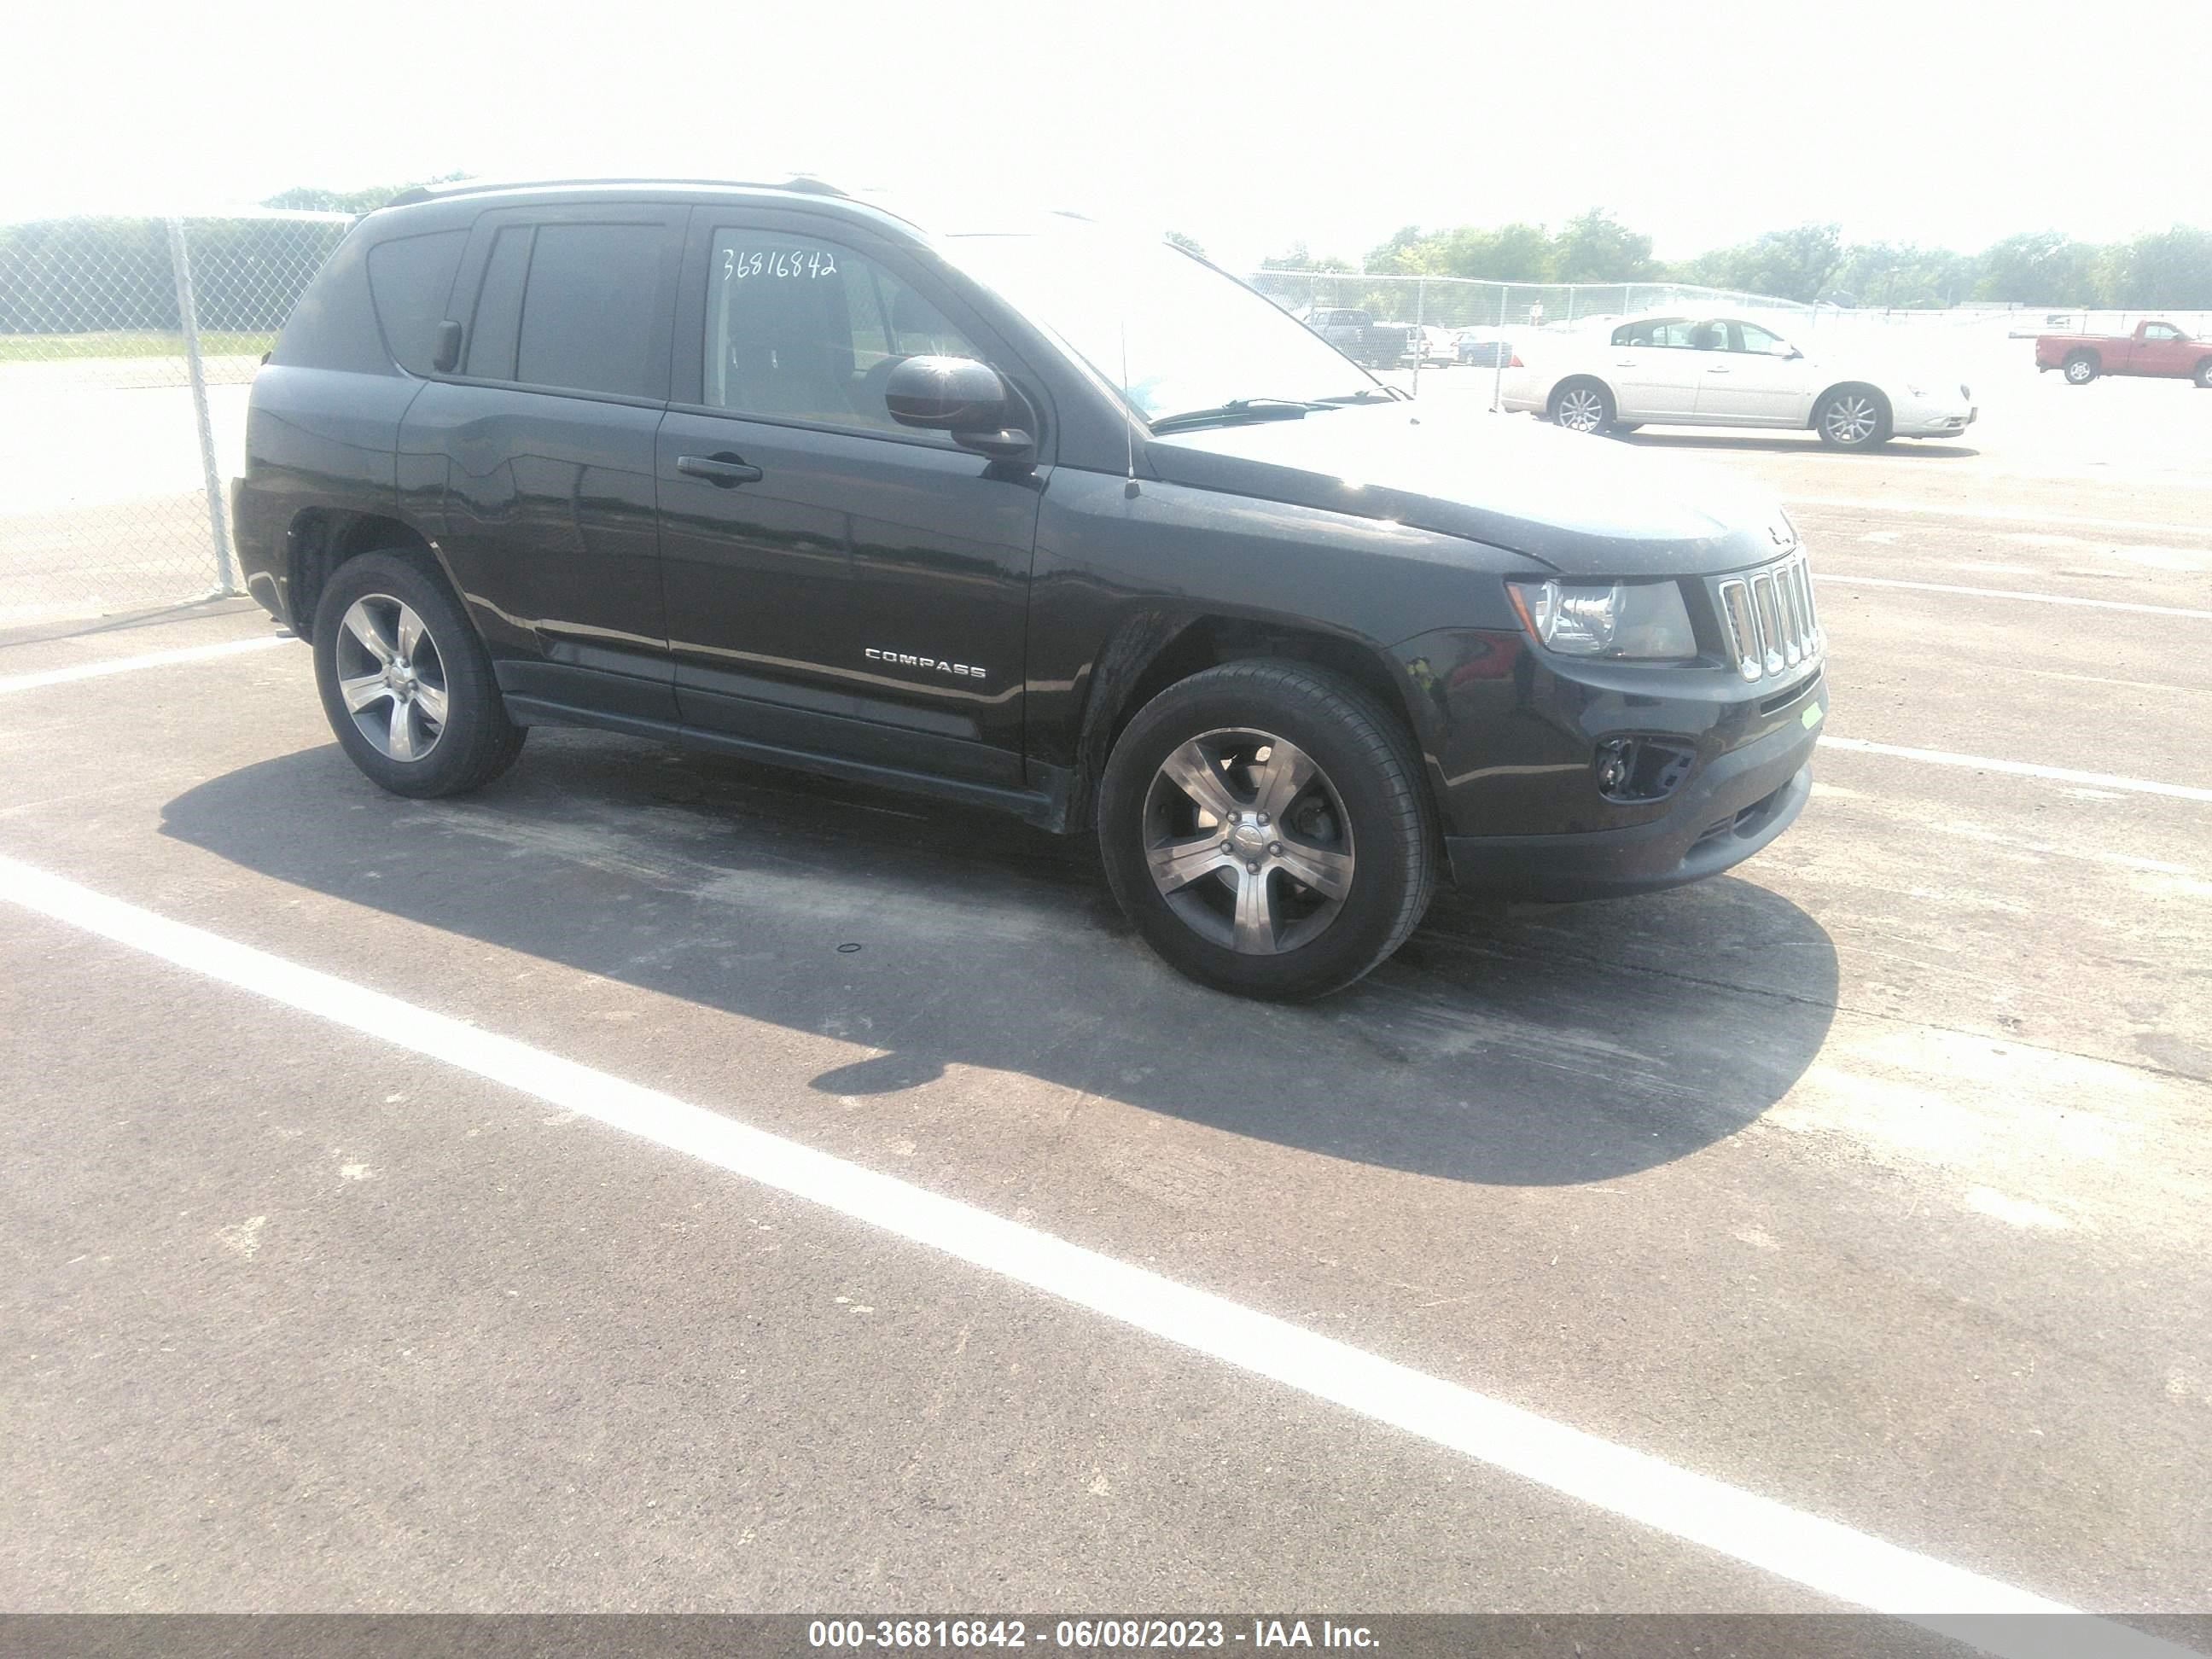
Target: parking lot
531, 1202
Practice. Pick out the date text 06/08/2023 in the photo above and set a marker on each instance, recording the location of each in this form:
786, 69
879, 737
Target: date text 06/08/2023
1108, 1634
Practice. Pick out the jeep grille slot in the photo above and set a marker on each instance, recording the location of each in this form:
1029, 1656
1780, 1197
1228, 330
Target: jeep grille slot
1769, 619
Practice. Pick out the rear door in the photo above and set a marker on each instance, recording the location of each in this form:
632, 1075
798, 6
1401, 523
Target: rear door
838, 583
1655, 369
536, 454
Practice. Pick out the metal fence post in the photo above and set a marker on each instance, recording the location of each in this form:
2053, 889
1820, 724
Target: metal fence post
188, 320
1497, 355
1420, 339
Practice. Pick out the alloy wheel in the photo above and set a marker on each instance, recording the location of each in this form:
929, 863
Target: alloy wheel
1581, 410
392, 677
1851, 418
1248, 840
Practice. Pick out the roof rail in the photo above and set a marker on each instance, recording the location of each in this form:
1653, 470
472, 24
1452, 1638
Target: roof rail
802, 183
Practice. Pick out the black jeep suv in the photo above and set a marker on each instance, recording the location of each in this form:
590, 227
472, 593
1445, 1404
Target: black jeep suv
1018, 513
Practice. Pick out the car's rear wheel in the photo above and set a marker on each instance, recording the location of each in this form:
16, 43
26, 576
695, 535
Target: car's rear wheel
1264, 825
406, 683
1581, 406
2081, 368
1852, 417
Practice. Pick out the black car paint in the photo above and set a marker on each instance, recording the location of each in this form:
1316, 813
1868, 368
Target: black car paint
613, 589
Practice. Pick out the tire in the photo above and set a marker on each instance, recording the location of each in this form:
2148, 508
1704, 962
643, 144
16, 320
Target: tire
1360, 823
2080, 368
1852, 417
2204, 374
1580, 405
394, 731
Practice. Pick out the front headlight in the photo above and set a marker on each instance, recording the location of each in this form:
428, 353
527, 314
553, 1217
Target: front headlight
1640, 620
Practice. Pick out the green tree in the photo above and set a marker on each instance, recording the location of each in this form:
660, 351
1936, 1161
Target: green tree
1298, 258
2038, 267
1889, 273
2166, 270
1790, 264
1187, 244
1596, 247
1509, 253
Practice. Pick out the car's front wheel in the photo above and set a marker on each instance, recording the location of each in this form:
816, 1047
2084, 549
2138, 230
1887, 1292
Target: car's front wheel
1265, 826
2204, 373
1852, 417
1581, 406
405, 681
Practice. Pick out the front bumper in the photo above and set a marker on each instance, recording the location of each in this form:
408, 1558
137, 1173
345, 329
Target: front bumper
1931, 418
1743, 802
1513, 735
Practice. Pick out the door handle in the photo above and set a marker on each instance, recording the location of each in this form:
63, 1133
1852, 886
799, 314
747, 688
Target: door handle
1624, 362
1716, 369
724, 471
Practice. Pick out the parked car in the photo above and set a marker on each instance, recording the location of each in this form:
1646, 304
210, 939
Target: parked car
1366, 342
1484, 348
1034, 518
1439, 346
1680, 368
2159, 349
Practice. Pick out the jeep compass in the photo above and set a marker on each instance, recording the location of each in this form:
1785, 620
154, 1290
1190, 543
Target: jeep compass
1021, 512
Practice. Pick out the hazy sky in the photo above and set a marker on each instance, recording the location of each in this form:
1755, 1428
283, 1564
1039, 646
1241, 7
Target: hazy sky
1248, 126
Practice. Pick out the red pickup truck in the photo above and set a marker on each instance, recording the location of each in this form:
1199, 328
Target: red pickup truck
2158, 349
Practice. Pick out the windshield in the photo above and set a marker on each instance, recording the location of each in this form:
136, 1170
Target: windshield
1195, 338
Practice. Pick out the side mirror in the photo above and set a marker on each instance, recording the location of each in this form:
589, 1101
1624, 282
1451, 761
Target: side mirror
967, 399
946, 394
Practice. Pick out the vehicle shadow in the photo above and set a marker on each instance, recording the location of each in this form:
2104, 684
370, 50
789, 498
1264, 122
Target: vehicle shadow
1531, 1045
1798, 443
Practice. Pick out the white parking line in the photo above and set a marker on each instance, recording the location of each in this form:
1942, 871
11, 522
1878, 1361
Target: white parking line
93, 671
1993, 514
2011, 593
1833, 1560
2023, 769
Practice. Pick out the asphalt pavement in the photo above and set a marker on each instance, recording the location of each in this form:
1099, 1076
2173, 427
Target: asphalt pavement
1868, 1182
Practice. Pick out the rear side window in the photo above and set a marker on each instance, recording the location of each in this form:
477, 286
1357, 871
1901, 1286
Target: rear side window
409, 279
589, 309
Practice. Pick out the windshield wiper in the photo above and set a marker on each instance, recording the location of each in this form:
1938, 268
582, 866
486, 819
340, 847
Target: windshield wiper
1380, 394
1240, 408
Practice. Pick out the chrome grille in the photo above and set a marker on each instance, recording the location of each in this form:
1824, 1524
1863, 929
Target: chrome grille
1768, 617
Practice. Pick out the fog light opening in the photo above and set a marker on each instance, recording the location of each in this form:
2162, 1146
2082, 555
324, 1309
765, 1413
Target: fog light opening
1641, 769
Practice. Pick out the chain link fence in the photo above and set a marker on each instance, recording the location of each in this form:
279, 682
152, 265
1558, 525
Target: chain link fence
126, 347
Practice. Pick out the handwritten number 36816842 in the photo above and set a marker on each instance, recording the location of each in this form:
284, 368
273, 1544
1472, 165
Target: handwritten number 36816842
808, 262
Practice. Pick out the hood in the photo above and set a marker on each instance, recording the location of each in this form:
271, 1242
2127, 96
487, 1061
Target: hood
1583, 505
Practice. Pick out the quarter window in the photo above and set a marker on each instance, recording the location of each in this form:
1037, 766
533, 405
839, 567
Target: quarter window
800, 329
409, 280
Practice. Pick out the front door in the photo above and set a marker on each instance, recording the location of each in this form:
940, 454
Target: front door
1749, 381
837, 583
2163, 350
